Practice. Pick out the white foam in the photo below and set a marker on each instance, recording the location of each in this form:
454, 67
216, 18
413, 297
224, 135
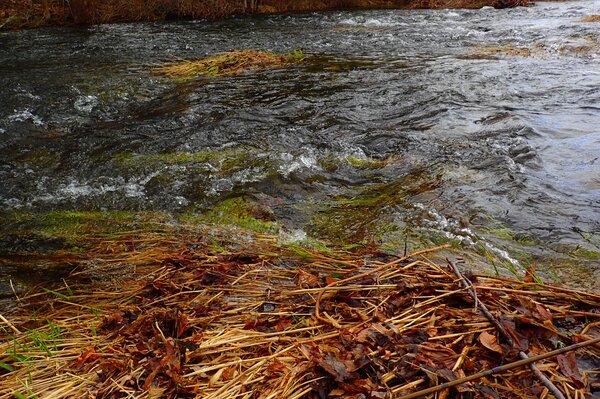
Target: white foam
86, 104
26, 115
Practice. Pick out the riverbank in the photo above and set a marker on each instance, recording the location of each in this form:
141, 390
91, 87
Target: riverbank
23, 14
199, 311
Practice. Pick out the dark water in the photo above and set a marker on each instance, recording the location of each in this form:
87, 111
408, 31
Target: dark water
413, 105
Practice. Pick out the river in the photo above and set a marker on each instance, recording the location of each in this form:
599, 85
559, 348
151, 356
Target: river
481, 127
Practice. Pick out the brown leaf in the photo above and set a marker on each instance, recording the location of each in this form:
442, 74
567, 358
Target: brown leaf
156, 393
543, 312
181, 324
490, 341
530, 273
89, 355
283, 324
251, 325
487, 392
338, 368
330, 280
229, 373
306, 279
568, 366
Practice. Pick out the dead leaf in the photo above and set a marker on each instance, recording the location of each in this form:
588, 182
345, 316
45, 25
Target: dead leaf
487, 392
307, 280
283, 324
530, 273
89, 355
543, 312
156, 393
339, 369
490, 341
568, 366
330, 280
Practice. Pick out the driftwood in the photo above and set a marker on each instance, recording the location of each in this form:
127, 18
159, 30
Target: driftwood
500, 369
465, 282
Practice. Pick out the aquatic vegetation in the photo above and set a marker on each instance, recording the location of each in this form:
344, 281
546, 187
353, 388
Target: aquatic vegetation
226, 160
584, 253
331, 162
76, 226
366, 215
507, 234
238, 211
40, 159
229, 63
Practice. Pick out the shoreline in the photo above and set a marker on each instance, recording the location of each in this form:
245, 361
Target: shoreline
206, 313
21, 14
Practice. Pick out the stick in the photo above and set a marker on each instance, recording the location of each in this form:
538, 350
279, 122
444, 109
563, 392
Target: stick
365, 274
465, 282
500, 369
8, 323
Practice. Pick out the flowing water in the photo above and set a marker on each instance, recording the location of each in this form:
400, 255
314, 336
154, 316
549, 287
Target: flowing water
476, 126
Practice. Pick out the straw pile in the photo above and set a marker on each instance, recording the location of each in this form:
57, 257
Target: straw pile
590, 18
261, 320
229, 63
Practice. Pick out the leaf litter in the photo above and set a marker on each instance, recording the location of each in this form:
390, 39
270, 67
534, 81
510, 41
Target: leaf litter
249, 318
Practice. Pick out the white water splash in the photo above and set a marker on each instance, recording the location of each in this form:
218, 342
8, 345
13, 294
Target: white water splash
451, 229
26, 115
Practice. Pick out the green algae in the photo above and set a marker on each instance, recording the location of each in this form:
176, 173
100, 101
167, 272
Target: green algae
366, 216
238, 211
507, 234
332, 162
40, 159
584, 253
227, 160
75, 226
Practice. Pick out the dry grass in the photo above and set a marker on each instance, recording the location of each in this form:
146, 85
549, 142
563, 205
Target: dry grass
229, 63
590, 18
584, 46
505, 50
216, 317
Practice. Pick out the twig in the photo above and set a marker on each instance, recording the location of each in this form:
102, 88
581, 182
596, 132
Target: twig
365, 274
500, 369
465, 282
8, 323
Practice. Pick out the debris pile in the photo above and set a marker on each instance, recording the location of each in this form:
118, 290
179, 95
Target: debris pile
263, 320
229, 63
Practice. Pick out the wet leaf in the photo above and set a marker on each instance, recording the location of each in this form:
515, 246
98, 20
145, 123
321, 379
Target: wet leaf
490, 341
543, 312
487, 392
568, 366
337, 368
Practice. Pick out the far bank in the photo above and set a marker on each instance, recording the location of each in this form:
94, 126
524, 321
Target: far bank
24, 14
